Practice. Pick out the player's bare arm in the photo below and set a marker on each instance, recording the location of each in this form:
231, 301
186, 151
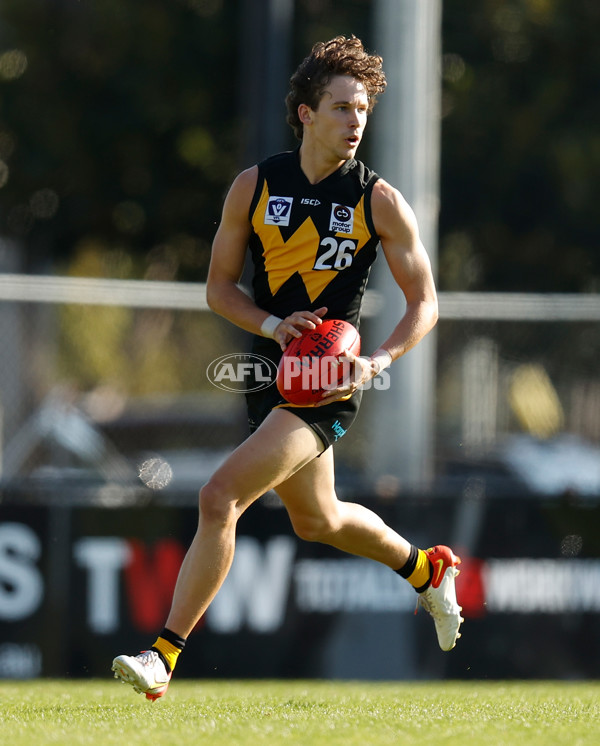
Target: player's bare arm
223, 292
409, 264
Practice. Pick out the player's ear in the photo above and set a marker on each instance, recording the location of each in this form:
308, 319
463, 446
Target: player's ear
305, 114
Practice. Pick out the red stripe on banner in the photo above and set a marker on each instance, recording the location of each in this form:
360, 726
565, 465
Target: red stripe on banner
470, 590
150, 579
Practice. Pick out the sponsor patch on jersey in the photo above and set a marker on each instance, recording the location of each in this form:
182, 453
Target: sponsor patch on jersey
278, 211
342, 219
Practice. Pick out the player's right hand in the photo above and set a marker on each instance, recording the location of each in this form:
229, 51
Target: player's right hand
293, 325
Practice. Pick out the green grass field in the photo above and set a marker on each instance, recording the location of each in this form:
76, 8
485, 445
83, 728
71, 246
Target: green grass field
253, 713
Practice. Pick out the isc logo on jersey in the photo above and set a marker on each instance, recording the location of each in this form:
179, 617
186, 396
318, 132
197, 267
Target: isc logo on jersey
278, 211
342, 219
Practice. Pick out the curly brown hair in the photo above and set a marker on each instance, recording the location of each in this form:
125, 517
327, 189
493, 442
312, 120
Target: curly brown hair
339, 56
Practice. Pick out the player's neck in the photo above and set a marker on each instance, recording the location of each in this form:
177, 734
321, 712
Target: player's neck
315, 165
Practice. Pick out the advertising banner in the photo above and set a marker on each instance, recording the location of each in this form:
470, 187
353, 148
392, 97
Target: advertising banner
80, 585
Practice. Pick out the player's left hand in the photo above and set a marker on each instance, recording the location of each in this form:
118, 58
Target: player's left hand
360, 370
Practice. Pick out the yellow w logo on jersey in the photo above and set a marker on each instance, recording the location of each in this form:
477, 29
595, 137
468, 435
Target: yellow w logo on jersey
310, 250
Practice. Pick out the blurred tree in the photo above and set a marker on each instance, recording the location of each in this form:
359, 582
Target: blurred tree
521, 146
119, 127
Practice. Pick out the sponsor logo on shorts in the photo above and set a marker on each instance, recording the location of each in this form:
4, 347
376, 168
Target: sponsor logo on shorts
242, 373
338, 430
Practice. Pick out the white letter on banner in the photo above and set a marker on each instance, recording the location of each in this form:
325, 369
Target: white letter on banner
104, 557
256, 588
21, 583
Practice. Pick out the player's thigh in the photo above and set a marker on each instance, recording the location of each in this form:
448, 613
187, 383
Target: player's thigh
309, 497
281, 446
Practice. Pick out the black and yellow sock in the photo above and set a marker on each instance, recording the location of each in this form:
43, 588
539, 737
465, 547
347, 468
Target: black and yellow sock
169, 646
417, 569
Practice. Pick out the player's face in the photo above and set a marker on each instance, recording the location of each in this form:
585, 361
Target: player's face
338, 124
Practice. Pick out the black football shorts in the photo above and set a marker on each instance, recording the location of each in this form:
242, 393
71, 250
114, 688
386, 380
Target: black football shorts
330, 422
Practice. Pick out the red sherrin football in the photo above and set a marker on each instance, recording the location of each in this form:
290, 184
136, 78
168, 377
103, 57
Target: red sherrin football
311, 364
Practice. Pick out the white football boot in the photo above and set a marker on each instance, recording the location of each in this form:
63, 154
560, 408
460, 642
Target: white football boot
145, 672
440, 598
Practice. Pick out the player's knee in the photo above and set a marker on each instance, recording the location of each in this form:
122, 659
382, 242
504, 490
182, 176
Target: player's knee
313, 528
215, 504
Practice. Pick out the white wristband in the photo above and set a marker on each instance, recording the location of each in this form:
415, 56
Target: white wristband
382, 358
269, 325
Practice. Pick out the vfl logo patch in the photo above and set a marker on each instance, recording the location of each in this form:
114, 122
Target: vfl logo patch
342, 219
278, 211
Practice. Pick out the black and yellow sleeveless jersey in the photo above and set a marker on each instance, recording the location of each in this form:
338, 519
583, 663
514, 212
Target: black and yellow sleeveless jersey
312, 245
